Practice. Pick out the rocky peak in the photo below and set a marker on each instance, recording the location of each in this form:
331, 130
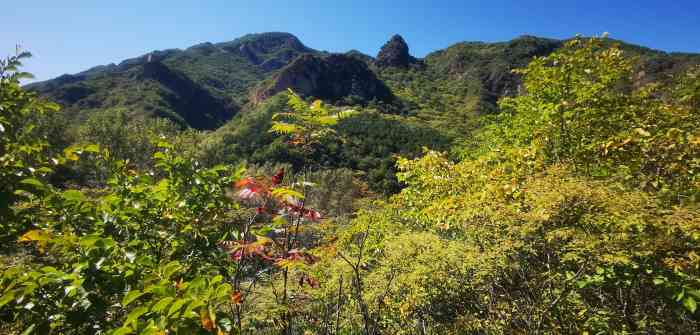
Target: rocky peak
269, 51
265, 43
332, 78
394, 53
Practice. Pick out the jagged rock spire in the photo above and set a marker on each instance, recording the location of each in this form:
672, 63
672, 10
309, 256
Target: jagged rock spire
394, 53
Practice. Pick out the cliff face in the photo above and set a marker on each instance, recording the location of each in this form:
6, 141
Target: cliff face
330, 78
394, 53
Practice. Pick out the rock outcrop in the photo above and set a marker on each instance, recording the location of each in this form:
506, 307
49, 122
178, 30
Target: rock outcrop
394, 53
270, 51
332, 78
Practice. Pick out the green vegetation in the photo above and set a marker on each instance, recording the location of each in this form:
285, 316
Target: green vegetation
575, 211
561, 197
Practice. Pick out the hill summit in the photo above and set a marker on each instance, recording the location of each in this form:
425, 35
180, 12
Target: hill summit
394, 53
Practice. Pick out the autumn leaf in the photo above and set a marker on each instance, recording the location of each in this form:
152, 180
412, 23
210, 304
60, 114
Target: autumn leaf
236, 298
35, 235
179, 285
278, 177
207, 322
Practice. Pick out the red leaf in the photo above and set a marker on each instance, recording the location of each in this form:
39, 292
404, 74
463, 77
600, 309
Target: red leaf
207, 322
236, 298
312, 215
278, 177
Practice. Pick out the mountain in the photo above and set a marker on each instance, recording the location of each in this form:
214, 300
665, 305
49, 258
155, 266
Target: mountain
202, 86
331, 78
443, 195
394, 53
205, 85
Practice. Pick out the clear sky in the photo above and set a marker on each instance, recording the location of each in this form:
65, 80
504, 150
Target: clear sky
72, 35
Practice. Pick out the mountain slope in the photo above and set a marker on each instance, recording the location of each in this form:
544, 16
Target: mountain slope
448, 89
212, 80
452, 87
329, 78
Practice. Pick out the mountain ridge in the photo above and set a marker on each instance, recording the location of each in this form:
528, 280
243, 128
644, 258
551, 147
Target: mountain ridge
454, 83
111, 66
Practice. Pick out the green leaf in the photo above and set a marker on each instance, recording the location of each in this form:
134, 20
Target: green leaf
33, 182
94, 148
177, 306
159, 155
150, 330
164, 144
7, 297
284, 128
71, 290
123, 331
190, 308
29, 330
680, 295
330, 120
130, 297
74, 196
170, 269
89, 241
216, 279
223, 290
134, 315
695, 293
690, 304
161, 305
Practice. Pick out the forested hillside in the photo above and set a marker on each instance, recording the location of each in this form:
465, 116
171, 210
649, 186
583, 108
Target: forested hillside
534, 186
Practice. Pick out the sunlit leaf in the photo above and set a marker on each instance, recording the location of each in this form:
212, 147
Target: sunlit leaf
131, 296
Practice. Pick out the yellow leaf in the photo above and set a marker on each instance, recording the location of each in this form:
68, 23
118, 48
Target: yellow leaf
316, 105
284, 128
35, 235
263, 240
642, 132
282, 193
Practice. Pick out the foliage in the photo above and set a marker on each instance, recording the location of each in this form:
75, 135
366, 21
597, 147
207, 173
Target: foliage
579, 110
134, 140
22, 151
99, 250
573, 210
306, 125
365, 141
525, 235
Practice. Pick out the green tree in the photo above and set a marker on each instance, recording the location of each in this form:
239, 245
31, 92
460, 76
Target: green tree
23, 160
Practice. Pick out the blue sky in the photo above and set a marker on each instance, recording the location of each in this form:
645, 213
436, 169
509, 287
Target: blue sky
71, 35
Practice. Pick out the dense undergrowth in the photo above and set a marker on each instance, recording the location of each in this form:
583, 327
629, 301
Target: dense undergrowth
574, 209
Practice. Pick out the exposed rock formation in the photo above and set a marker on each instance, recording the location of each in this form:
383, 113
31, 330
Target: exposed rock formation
394, 53
271, 51
331, 78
